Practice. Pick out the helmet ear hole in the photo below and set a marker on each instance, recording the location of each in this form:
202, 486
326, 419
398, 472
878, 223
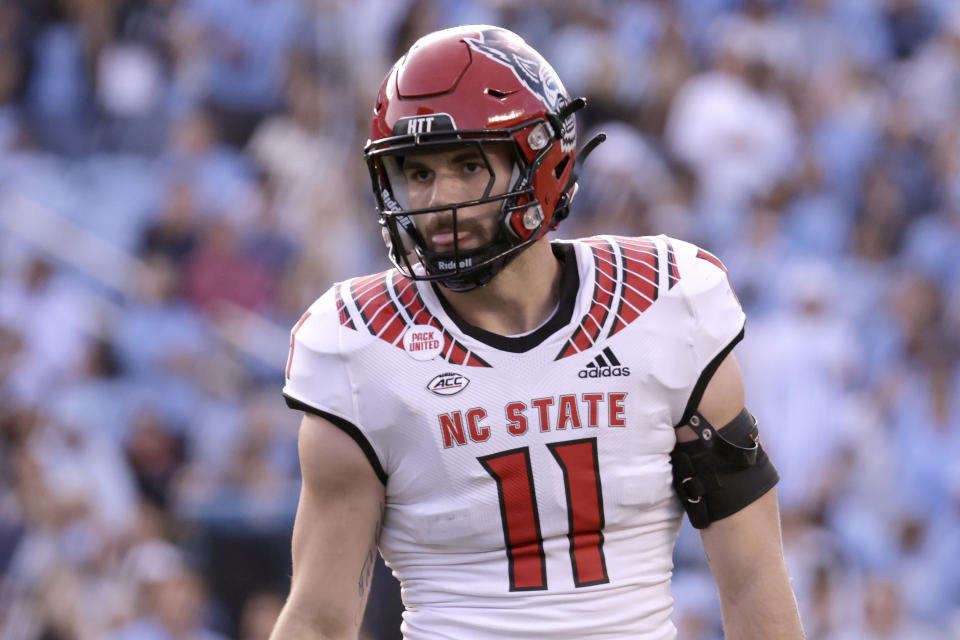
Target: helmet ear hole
558, 170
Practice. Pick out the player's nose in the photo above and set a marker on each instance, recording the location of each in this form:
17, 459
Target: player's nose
446, 189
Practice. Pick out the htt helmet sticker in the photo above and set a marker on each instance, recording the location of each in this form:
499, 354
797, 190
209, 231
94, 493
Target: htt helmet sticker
430, 123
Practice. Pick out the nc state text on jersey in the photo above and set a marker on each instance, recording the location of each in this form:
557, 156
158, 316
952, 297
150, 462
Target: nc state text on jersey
590, 410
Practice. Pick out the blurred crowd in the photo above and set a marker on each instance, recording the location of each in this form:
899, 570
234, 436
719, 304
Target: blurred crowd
179, 179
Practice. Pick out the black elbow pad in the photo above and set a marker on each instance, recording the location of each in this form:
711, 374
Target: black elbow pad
722, 471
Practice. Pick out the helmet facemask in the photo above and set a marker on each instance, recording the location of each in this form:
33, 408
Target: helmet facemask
473, 84
519, 221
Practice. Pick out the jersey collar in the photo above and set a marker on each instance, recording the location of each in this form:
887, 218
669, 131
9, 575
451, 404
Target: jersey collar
569, 287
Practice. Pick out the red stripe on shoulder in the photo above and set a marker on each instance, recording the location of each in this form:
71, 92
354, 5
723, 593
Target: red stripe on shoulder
581, 340
388, 323
378, 311
364, 293
605, 283
640, 280
454, 352
605, 280
476, 361
293, 335
457, 354
703, 254
566, 351
673, 271
342, 311
409, 297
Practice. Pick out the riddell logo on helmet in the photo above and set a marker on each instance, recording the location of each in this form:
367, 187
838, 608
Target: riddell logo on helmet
388, 200
601, 367
452, 264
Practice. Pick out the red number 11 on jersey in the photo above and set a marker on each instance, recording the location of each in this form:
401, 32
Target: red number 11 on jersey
521, 518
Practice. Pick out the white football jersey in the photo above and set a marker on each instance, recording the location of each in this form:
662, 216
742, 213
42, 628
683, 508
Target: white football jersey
528, 479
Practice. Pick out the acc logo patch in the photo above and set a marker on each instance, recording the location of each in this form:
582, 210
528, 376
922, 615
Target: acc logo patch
423, 342
448, 384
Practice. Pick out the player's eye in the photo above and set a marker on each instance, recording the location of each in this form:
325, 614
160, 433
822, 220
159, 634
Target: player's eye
419, 175
472, 167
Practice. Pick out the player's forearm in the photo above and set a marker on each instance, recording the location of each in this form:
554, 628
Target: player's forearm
294, 625
761, 607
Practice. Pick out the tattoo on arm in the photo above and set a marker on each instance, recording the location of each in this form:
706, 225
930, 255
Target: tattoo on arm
366, 571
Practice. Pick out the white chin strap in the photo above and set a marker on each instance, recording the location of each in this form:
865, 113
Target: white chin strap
418, 269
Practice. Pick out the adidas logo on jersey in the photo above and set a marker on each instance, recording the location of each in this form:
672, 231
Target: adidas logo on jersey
601, 367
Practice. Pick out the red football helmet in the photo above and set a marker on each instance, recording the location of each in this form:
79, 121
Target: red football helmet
470, 86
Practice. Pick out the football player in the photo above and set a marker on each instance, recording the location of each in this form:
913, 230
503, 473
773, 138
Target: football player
517, 424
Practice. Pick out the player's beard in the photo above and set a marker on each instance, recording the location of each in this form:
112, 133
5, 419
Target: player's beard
473, 232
